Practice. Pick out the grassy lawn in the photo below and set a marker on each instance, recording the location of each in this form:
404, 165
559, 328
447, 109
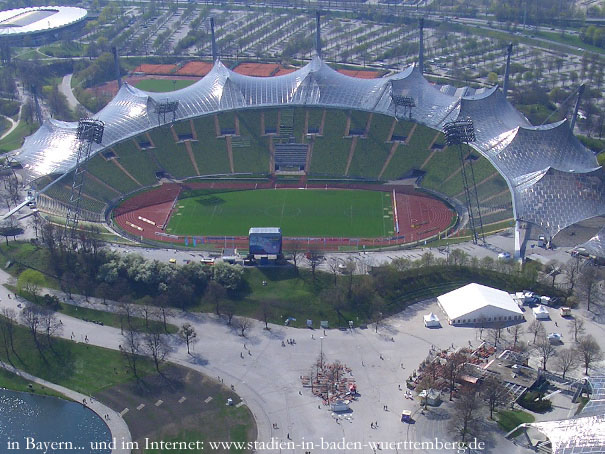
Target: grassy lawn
12, 381
332, 213
106, 318
193, 418
81, 367
4, 125
15, 139
163, 85
509, 419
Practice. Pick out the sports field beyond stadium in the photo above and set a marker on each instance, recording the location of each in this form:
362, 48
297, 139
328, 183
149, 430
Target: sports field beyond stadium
299, 212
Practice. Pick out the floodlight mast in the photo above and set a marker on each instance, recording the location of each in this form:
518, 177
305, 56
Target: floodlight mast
214, 49
421, 46
317, 34
462, 132
89, 131
509, 51
166, 107
407, 102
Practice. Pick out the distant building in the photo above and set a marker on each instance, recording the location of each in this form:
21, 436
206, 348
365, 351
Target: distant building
39, 25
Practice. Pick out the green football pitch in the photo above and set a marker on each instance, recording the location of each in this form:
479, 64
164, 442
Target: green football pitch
299, 212
163, 85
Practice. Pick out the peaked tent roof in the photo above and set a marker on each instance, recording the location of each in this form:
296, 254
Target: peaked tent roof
554, 180
473, 297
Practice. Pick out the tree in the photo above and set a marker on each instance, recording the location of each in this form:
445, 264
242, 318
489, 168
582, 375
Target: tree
453, 367
576, 328
10, 227
227, 275
589, 351
334, 266
266, 312
314, 258
466, 416
68, 283
242, 324
31, 282
30, 317
552, 270
131, 349
155, 345
295, 250
545, 349
229, 310
50, 325
8, 321
536, 328
516, 331
588, 284
566, 360
572, 269
494, 393
188, 334
215, 293
494, 333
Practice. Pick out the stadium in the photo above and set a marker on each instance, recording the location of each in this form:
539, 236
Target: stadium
202, 164
39, 25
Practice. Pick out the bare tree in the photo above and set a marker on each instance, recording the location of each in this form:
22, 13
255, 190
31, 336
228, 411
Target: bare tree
566, 360
536, 328
481, 326
453, 366
50, 325
314, 258
131, 349
588, 284
155, 345
266, 312
229, 311
552, 270
516, 331
188, 334
576, 327
494, 333
572, 269
494, 393
334, 266
466, 416
30, 317
589, 351
128, 314
296, 251
8, 321
544, 349
242, 324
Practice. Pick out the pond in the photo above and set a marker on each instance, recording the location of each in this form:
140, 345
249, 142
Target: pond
30, 423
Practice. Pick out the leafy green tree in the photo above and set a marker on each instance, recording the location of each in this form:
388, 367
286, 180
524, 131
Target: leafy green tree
31, 282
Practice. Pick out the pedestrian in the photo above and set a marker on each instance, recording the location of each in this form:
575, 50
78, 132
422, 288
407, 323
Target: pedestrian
288, 436
556, 324
249, 353
399, 387
312, 337
241, 355
371, 425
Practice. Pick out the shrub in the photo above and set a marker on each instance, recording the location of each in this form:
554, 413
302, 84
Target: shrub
534, 401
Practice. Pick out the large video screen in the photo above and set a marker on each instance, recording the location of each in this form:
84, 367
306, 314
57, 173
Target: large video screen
265, 243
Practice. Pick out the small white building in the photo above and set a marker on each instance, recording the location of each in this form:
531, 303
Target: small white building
431, 321
541, 313
475, 303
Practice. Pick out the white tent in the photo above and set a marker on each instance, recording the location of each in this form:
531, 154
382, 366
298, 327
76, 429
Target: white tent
431, 320
541, 313
476, 303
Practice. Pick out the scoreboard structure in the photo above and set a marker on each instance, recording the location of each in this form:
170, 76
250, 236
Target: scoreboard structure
265, 242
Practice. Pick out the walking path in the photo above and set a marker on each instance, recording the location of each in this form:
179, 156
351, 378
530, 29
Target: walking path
65, 89
265, 371
115, 423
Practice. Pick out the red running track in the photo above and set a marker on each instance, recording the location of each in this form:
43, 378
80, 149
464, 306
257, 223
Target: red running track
420, 216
